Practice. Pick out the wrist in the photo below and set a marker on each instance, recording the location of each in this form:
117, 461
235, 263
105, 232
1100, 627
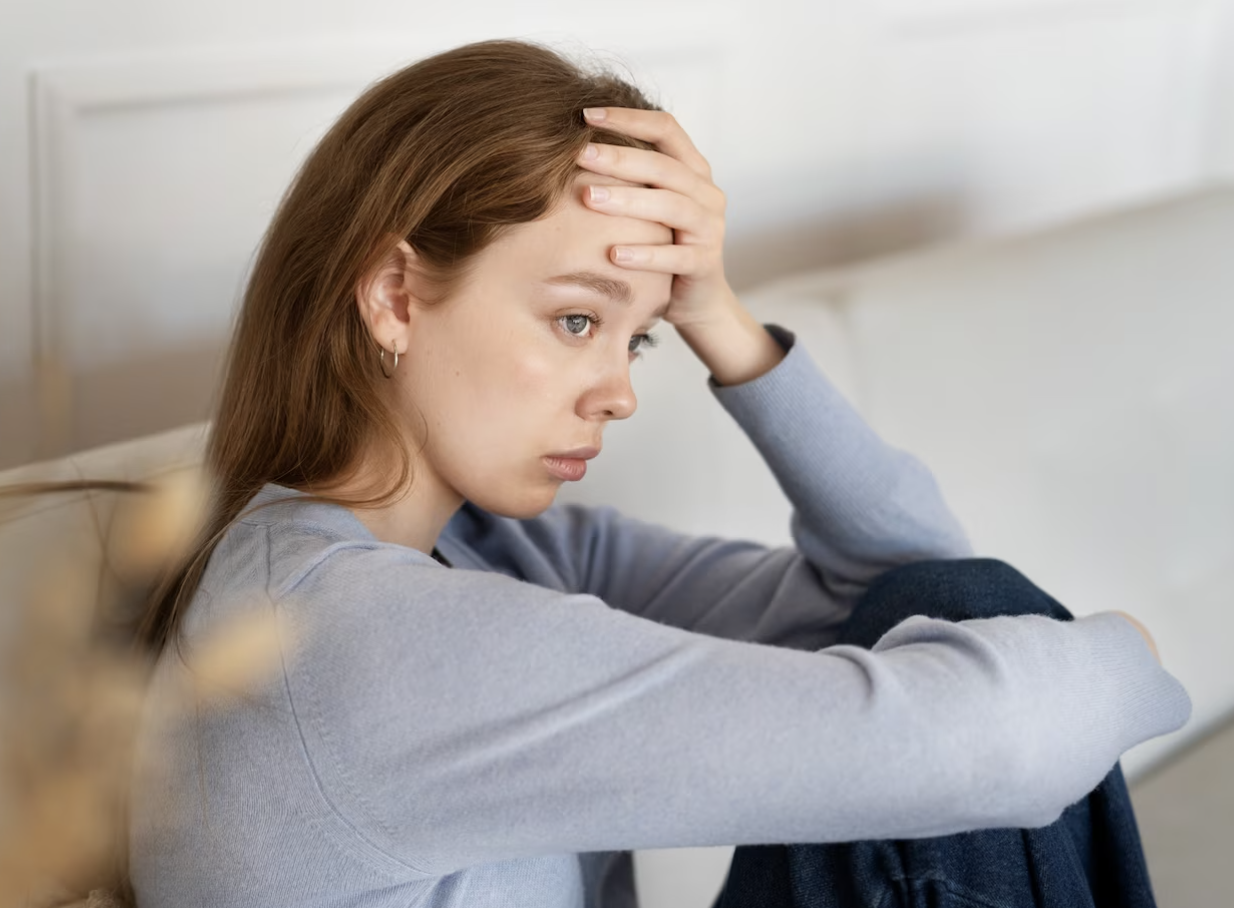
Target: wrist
731, 343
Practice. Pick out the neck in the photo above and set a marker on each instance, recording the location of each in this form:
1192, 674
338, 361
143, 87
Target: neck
417, 518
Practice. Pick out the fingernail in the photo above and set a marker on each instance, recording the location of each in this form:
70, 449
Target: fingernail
594, 114
598, 193
623, 254
590, 153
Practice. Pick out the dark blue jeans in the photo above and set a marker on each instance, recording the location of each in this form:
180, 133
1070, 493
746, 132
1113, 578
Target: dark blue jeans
1091, 857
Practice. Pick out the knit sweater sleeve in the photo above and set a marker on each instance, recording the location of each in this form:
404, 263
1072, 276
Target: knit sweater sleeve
456, 717
860, 507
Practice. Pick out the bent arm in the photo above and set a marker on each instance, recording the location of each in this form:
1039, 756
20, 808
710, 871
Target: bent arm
458, 717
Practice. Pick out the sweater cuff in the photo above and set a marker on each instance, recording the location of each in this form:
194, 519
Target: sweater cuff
1153, 702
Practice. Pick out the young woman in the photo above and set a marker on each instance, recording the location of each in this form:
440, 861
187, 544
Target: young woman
492, 699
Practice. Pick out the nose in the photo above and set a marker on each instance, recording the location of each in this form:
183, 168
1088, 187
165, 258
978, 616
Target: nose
612, 395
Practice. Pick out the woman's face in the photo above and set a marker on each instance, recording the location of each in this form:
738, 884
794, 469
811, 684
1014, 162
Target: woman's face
530, 357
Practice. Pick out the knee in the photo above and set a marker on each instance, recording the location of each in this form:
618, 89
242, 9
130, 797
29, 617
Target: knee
955, 590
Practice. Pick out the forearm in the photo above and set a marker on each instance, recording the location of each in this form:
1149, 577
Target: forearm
861, 506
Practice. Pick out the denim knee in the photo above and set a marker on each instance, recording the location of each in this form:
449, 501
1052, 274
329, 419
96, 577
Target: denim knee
953, 590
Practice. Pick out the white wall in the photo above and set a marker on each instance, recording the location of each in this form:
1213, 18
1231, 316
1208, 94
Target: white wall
143, 145
1220, 140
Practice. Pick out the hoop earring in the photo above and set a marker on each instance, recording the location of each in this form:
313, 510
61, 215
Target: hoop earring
382, 361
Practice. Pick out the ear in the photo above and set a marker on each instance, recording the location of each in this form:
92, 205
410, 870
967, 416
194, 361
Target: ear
386, 298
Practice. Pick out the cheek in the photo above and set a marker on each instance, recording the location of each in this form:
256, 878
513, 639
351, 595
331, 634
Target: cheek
508, 399
532, 386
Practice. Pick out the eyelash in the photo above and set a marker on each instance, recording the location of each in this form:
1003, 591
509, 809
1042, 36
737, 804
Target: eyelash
646, 341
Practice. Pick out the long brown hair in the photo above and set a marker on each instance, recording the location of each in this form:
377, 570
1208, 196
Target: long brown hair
445, 154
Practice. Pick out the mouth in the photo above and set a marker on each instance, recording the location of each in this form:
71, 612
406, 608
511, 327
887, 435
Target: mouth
570, 466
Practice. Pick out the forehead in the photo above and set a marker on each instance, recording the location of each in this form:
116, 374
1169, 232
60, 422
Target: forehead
574, 238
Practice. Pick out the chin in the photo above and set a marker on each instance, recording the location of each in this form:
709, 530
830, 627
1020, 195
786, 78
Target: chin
532, 502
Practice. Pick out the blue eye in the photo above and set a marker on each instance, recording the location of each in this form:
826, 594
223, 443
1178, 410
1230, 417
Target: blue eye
639, 342
577, 325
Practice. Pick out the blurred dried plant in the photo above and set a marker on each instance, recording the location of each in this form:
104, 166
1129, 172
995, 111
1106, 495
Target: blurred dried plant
71, 695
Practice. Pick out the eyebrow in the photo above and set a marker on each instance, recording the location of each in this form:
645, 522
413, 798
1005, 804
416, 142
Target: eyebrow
611, 287
616, 290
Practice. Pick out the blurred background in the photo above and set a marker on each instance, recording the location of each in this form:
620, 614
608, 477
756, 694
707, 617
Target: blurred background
1004, 227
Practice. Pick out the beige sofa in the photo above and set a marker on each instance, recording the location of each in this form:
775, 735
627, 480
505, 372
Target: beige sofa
39, 533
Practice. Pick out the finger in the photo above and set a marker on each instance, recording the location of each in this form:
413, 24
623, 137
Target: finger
656, 126
666, 259
672, 209
654, 168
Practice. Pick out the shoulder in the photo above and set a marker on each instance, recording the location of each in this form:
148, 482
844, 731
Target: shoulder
324, 576
304, 542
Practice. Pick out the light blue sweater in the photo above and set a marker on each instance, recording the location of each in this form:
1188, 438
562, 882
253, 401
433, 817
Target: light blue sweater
499, 733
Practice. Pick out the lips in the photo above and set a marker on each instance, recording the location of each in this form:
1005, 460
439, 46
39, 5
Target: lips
570, 466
